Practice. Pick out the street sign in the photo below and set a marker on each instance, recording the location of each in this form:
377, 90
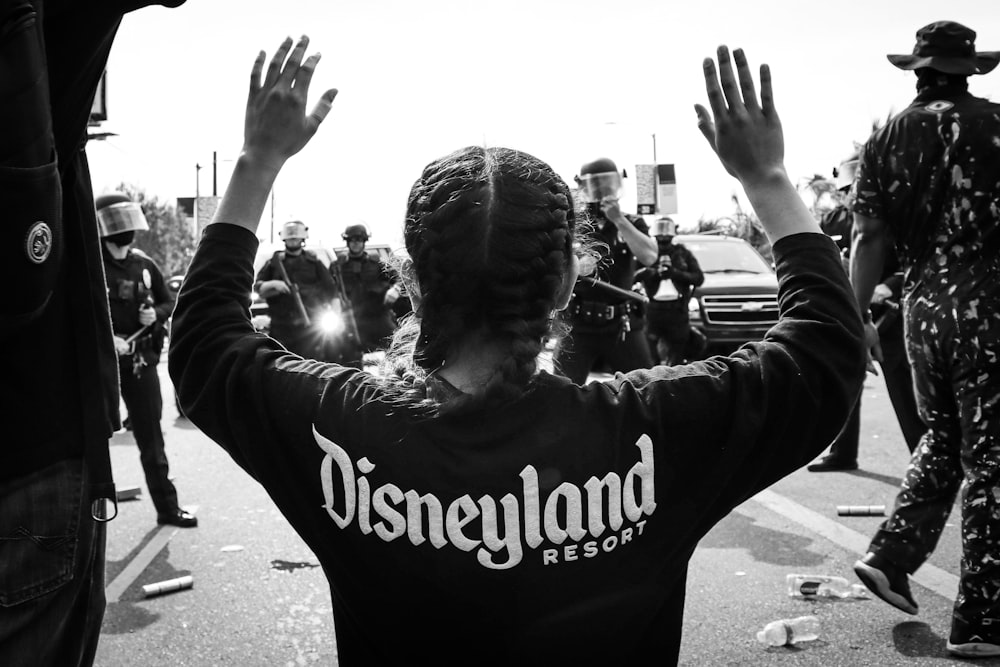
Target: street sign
655, 189
645, 189
666, 189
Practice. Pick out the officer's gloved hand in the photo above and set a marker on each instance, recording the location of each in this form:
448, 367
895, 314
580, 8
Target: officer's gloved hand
121, 347
146, 315
588, 264
613, 212
881, 293
272, 288
391, 295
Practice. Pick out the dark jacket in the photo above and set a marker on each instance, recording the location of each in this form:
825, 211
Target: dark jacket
307, 272
59, 398
128, 292
366, 280
678, 265
931, 175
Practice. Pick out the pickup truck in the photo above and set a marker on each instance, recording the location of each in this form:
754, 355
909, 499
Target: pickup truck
738, 301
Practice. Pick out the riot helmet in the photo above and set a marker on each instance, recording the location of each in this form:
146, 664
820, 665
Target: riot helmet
294, 229
117, 214
664, 226
356, 231
599, 179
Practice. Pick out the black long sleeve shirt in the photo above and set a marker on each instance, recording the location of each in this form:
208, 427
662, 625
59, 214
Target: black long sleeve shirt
554, 530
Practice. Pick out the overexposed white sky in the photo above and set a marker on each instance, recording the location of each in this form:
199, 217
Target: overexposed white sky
567, 81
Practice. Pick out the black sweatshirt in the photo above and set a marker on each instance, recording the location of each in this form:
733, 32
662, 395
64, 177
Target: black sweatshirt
554, 530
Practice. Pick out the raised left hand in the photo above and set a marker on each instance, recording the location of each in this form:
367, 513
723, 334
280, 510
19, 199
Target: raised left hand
276, 126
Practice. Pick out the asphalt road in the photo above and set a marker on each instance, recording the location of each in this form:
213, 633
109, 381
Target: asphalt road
260, 598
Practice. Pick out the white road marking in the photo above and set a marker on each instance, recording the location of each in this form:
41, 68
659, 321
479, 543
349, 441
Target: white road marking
929, 576
137, 565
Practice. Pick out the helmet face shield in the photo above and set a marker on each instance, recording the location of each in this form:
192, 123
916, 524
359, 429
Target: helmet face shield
595, 187
294, 230
121, 217
663, 227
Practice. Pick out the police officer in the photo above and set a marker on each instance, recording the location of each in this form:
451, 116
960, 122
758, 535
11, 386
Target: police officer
669, 285
885, 309
371, 290
298, 289
140, 305
607, 329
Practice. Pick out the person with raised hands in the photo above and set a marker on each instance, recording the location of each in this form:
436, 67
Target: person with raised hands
466, 504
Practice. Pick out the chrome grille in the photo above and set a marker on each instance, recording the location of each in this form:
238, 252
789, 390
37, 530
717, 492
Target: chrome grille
740, 308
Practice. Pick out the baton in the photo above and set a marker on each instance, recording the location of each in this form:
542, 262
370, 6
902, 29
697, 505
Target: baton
138, 333
617, 291
292, 287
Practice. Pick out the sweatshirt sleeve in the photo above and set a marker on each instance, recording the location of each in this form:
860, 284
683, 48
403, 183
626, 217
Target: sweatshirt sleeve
741, 422
240, 387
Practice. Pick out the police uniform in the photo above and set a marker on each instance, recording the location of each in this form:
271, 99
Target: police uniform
366, 280
931, 175
132, 283
317, 291
668, 321
607, 331
895, 366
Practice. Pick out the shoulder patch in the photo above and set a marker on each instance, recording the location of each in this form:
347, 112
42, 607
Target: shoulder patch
939, 106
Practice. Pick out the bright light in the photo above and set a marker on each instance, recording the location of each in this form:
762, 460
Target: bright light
331, 323
693, 305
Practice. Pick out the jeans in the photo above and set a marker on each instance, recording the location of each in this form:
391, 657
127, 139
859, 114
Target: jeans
51, 569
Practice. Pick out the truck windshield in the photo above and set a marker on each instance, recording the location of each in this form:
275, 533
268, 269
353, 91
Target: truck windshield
722, 257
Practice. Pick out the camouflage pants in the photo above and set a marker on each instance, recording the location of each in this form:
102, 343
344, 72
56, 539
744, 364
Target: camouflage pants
954, 349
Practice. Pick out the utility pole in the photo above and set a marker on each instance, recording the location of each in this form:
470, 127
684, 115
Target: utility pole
197, 193
215, 172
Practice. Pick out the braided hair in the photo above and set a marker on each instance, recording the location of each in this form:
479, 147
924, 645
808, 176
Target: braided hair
489, 232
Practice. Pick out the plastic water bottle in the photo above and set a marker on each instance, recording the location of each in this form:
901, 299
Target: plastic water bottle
789, 631
823, 586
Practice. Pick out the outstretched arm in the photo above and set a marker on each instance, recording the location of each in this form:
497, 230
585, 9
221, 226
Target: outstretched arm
276, 127
747, 137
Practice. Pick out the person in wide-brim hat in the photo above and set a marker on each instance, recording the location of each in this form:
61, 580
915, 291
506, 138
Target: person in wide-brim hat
947, 47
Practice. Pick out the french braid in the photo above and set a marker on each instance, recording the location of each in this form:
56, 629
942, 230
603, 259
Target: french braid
490, 234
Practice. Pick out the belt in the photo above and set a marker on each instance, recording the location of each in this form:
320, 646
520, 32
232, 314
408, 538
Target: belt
598, 311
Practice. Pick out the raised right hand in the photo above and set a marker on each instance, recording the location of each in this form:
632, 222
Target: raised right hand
745, 134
